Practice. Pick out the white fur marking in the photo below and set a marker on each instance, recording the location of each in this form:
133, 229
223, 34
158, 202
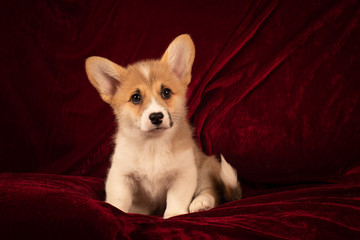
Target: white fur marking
145, 70
228, 173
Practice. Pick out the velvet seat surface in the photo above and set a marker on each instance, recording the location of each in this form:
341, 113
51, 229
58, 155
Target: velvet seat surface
275, 88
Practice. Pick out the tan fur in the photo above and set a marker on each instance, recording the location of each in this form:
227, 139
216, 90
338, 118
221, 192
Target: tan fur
157, 166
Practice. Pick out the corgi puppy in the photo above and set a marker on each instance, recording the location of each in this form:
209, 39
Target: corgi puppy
157, 168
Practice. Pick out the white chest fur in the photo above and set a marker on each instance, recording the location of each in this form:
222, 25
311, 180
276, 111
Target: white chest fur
150, 167
154, 166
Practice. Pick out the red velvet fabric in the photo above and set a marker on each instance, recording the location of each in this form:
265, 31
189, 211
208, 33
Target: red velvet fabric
43, 206
275, 89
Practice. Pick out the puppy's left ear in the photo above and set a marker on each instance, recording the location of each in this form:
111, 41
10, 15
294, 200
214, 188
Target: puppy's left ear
179, 56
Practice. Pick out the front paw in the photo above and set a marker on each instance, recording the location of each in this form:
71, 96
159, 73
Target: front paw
202, 203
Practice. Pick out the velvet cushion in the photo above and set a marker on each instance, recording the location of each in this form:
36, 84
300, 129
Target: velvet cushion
43, 206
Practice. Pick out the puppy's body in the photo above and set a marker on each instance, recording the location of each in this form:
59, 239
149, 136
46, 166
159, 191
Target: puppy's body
156, 166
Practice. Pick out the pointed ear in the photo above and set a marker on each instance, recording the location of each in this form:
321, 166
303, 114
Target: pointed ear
180, 57
104, 75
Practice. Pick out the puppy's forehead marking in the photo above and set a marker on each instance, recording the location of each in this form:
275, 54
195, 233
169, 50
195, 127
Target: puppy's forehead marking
145, 71
154, 106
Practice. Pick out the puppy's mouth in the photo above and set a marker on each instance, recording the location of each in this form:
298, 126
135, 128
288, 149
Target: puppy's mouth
161, 127
158, 129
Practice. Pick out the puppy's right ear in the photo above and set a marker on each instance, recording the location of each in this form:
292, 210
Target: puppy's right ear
104, 75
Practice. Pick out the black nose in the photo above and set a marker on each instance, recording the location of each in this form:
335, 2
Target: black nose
156, 118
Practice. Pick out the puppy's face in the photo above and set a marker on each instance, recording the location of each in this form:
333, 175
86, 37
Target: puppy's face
148, 96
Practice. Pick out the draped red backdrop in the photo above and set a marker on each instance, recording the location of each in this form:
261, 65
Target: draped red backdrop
275, 89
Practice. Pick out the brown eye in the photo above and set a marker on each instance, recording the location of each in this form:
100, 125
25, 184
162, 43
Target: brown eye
166, 93
136, 98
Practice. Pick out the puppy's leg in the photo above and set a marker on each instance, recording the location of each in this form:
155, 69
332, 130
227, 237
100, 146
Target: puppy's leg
204, 201
118, 190
206, 196
180, 194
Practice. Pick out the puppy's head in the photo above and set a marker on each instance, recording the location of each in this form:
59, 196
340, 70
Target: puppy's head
148, 96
